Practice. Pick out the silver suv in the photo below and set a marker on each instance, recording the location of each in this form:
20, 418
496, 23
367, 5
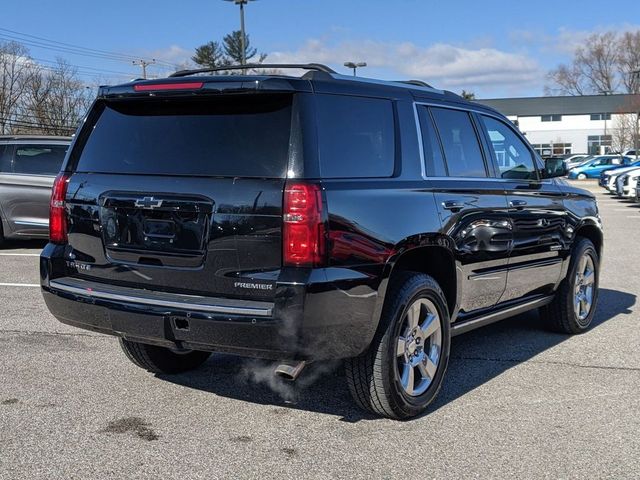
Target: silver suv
28, 166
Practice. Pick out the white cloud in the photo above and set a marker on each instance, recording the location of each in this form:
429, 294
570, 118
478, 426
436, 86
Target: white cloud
443, 65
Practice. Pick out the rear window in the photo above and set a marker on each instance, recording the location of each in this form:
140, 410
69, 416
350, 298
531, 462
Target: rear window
355, 136
244, 136
36, 159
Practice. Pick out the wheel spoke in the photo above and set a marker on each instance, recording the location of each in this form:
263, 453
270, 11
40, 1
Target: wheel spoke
427, 367
413, 315
576, 304
589, 278
583, 265
430, 326
583, 306
401, 347
407, 378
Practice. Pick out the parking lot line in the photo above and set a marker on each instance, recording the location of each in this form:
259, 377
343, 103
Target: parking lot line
31, 285
19, 254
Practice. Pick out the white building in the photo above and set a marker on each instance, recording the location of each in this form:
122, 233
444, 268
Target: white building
574, 124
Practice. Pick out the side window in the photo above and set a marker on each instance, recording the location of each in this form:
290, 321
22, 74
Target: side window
356, 136
461, 148
513, 157
38, 159
5, 158
434, 161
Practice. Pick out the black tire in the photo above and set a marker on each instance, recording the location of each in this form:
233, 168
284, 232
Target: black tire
156, 359
560, 315
373, 377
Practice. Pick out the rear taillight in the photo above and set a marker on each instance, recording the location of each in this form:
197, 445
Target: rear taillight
303, 228
57, 212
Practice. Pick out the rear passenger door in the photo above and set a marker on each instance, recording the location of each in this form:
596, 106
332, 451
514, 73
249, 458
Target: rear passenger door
536, 211
26, 178
471, 204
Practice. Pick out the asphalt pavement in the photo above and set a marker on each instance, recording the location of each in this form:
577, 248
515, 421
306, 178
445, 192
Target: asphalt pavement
518, 402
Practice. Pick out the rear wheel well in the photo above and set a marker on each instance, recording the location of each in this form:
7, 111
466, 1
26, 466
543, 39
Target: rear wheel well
594, 234
436, 262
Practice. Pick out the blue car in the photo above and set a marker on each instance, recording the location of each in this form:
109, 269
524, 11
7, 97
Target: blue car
594, 167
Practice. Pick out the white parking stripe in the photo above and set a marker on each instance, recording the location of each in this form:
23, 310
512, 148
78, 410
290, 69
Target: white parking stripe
19, 254
30, 285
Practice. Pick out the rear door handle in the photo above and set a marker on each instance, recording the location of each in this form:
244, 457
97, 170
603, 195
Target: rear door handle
518, 203
453, 204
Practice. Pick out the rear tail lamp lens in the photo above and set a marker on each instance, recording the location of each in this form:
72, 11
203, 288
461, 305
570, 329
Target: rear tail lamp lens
303, 228
57, 211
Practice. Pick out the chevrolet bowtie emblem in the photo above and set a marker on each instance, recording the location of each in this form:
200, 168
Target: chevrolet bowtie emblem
148, 203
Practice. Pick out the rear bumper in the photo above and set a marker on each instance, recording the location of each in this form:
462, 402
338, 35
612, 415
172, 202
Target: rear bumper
316, 314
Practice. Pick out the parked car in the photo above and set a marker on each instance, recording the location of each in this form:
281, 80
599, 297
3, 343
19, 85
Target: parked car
626, 183
575, 160
609, 177
278, 217
578, 161
28, 166
594, 167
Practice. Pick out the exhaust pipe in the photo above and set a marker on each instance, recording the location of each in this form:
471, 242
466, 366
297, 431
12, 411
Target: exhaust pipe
290, 370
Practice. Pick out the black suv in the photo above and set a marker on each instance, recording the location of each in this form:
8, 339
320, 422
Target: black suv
312, 218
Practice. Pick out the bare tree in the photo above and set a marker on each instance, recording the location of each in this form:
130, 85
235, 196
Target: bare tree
16, 68
629, 61
602, 65
56, 100
622, 133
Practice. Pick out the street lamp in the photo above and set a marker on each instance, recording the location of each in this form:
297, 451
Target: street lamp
636, 73
605, 93
355, 66
243, 38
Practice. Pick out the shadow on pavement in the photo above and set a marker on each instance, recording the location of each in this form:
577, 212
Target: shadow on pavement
476, 358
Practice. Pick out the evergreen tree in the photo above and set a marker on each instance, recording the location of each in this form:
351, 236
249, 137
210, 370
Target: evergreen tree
210, 55
468, 95
233, 49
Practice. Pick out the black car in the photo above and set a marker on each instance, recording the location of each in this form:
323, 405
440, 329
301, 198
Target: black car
312, 218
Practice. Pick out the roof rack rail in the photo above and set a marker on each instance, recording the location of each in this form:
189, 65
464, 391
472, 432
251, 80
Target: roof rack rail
417, 83
302, 66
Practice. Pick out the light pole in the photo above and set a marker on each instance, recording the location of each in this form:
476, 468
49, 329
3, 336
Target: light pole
355, 66
605, 93
636, 73
243, 37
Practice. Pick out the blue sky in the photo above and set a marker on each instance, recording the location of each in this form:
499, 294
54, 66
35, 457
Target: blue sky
493, 48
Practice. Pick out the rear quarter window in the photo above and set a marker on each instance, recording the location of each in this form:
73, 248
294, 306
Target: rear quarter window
356, 137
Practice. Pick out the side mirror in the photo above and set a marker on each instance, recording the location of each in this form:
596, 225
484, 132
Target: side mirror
554, 167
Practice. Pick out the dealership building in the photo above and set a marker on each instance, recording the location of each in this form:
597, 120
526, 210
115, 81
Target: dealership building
573, 124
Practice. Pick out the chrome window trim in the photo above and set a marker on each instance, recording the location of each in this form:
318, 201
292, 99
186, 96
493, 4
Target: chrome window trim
479, 112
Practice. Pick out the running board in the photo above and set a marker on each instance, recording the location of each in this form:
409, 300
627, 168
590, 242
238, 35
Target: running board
477, 322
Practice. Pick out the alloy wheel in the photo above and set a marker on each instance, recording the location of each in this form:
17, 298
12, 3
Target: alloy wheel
418, 347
